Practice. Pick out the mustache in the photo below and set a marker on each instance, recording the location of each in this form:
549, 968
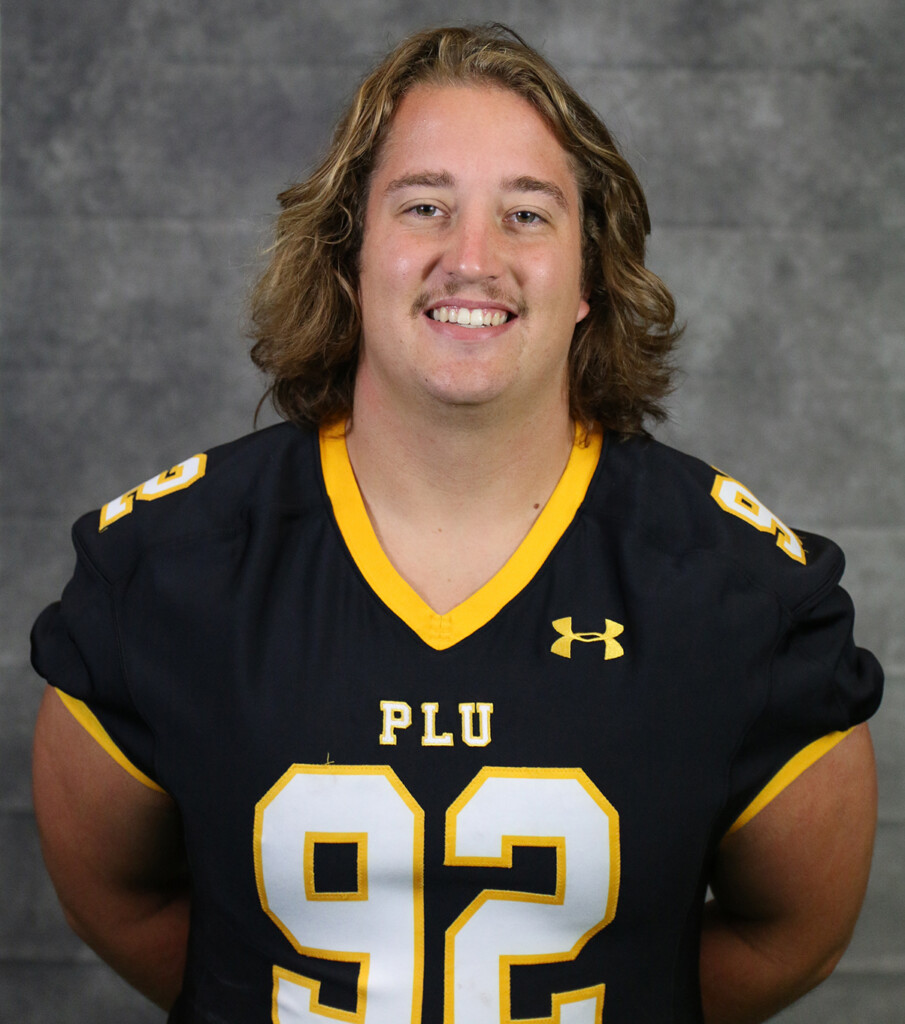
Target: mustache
490, 291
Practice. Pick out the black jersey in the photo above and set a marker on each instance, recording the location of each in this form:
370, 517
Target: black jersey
504, 813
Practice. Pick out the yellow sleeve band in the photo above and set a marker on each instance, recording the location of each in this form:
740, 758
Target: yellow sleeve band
786, 775
88, 720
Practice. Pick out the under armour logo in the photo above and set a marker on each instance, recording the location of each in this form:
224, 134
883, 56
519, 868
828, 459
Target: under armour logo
563, 646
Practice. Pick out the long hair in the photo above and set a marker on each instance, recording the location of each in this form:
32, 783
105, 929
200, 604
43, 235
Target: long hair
304, 312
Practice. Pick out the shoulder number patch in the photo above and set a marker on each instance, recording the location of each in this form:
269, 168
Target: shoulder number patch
737, 500
182, 475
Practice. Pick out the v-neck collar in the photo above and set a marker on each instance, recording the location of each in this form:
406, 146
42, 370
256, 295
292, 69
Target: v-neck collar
443, 631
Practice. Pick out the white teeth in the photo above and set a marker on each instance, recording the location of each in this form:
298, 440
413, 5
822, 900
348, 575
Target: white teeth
469, 317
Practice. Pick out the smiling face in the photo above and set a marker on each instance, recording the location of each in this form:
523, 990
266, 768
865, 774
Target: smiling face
470, 265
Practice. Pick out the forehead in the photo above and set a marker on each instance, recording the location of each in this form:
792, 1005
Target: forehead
469, 131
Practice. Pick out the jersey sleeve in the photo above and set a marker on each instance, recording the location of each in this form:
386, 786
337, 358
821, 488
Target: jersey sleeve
821, 685
75, 646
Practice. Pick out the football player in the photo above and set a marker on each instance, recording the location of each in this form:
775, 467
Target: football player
450, 697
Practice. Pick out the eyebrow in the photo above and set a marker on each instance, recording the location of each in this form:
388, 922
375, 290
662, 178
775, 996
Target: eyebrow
443, 179
423, 179
525, 183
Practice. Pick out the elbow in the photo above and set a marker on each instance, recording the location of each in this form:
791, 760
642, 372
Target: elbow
807, 967
830, 959
77, 923
92, 920
751, 970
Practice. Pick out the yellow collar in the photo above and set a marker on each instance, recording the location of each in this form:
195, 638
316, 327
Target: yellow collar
442, 631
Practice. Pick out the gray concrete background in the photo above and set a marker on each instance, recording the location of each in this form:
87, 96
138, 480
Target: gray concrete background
143, 143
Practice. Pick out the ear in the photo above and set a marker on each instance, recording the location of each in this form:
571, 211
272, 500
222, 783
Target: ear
583, 309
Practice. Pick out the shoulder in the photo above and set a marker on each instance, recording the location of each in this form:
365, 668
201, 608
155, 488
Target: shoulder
684, 507
207, 493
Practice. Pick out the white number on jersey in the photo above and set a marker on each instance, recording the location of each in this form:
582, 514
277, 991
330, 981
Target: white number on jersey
383, 918
736, 499
182, 475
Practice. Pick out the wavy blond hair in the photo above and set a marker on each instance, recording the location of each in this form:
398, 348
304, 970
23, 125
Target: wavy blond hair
304, 312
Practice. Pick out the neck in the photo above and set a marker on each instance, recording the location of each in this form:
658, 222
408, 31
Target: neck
457, 460
452, 495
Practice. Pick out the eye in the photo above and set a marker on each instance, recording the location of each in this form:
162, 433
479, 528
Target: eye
424, 210
527, 217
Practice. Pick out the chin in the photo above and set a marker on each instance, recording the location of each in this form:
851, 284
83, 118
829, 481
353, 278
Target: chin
466, 394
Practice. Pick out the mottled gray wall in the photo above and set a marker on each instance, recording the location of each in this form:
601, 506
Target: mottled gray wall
143, 142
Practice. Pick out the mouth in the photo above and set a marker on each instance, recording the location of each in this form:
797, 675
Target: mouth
465, 317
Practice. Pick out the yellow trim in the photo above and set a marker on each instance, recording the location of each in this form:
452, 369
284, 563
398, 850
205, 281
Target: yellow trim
315, 1006
484, 711
431, 738
443, 631
390, 723
579, 995
786, 775
182, 475
360, 839
506, 961
361, 957
124, 505
742, 504
88, 720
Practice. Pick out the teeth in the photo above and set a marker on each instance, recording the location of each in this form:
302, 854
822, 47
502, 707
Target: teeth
469, 317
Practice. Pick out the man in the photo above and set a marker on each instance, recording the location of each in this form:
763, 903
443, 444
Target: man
453, 708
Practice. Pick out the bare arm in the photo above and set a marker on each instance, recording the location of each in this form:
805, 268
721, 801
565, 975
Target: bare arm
113, 848
788, 887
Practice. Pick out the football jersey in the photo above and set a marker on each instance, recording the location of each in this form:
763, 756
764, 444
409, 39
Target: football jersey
504, 813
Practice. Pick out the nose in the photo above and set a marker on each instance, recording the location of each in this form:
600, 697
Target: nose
473, 247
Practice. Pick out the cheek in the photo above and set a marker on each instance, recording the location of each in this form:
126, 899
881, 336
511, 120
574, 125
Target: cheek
409, 258
557, 281
390, 267
557, 266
